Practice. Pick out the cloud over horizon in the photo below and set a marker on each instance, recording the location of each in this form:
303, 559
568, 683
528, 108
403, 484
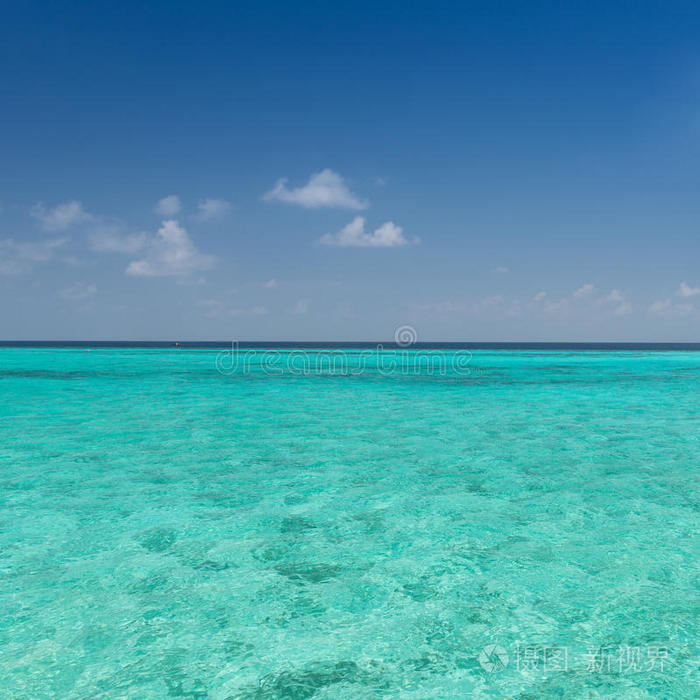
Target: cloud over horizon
324, 189
171, 253
670, 307
168, 206
211, 209
16, 258
79, 291
583, 291
109, 238
388, 235
60, 217
686, 291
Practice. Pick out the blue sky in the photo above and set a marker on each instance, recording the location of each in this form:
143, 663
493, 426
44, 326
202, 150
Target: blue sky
330, 171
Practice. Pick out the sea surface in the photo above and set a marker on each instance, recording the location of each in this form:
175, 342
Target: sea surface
433, 522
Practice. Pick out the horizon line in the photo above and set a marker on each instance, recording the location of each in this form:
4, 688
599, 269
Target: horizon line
383, 343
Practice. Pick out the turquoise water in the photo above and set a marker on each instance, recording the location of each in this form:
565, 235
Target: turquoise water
172, 531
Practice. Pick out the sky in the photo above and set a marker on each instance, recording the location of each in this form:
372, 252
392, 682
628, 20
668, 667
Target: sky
480, 171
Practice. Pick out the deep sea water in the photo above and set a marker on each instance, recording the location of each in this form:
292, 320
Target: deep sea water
169, 531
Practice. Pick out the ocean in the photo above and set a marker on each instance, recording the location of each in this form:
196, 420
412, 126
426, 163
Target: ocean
286, 521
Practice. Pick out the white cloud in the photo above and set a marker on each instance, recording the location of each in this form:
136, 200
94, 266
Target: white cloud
170, 253
583, 291
659, 306
108, 238
301, 307
493, 304
687, 291
73, 261
16, 258
618, 300
60, 217
670, 307
270, 284
211, 209
557, 306
515, 309
446, 307
79, 291
615, 300
501, 269
666, 307
216, 308
388, 235
168, 206
324, 189
254, 311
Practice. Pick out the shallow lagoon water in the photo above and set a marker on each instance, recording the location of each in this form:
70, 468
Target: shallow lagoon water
169, 530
